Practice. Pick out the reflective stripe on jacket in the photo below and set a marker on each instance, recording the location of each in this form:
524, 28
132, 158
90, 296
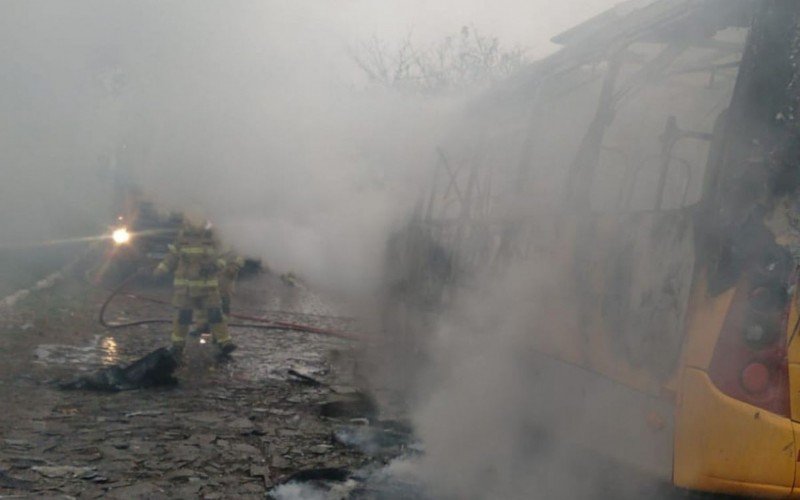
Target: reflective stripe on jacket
195, 283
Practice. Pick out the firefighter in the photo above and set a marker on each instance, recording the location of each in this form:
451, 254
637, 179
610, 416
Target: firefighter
194, 257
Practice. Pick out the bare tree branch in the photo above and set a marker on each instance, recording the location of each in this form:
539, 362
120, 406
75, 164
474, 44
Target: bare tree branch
466, 60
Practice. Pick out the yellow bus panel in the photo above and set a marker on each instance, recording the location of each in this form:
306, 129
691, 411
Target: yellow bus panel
727, 446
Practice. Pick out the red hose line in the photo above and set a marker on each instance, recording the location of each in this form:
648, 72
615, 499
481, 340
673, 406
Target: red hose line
265, 324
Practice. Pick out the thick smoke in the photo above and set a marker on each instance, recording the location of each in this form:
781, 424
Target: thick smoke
251, 113
499, 419
513, 386
248, 111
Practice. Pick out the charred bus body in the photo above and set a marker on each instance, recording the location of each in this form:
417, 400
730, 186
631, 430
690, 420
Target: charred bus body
654, 171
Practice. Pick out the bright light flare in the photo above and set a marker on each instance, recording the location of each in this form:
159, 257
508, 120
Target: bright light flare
121, 236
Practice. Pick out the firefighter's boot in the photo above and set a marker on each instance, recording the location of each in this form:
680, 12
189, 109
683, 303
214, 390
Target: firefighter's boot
222, 338
227, 348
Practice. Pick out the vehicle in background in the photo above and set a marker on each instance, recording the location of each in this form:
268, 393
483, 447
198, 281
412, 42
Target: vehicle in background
140, 237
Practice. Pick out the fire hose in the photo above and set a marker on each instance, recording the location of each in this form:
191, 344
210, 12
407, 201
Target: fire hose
256, 322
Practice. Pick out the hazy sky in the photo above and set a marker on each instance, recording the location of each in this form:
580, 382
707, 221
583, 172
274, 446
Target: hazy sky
246, 96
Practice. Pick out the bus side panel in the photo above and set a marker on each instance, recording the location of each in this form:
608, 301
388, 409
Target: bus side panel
796, 490
727, 446
623, 295
609, 422
793, 355
706, 317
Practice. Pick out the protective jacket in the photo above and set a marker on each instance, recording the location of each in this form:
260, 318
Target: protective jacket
195, 259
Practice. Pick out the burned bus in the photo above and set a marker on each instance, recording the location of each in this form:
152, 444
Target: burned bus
652, 165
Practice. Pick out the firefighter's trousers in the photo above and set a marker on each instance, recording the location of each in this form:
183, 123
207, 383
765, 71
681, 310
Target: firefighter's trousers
201, 315
186, 300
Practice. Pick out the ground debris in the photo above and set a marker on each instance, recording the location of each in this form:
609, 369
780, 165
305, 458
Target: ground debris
373, 441
182, 474
261, 471
17, 443
302, 376
154, 369
10, 482
145, 413
65, 471
25, 462
279, 462
242, 425
351, 406
227, 431
319, 474
245, 450
142, 491
201, 439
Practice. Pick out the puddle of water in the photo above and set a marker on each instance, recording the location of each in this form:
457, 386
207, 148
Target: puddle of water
101, 351
266, 356
108, 350
261, 356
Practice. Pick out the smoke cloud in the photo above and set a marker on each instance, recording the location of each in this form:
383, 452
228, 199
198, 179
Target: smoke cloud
252, 114
249, 111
